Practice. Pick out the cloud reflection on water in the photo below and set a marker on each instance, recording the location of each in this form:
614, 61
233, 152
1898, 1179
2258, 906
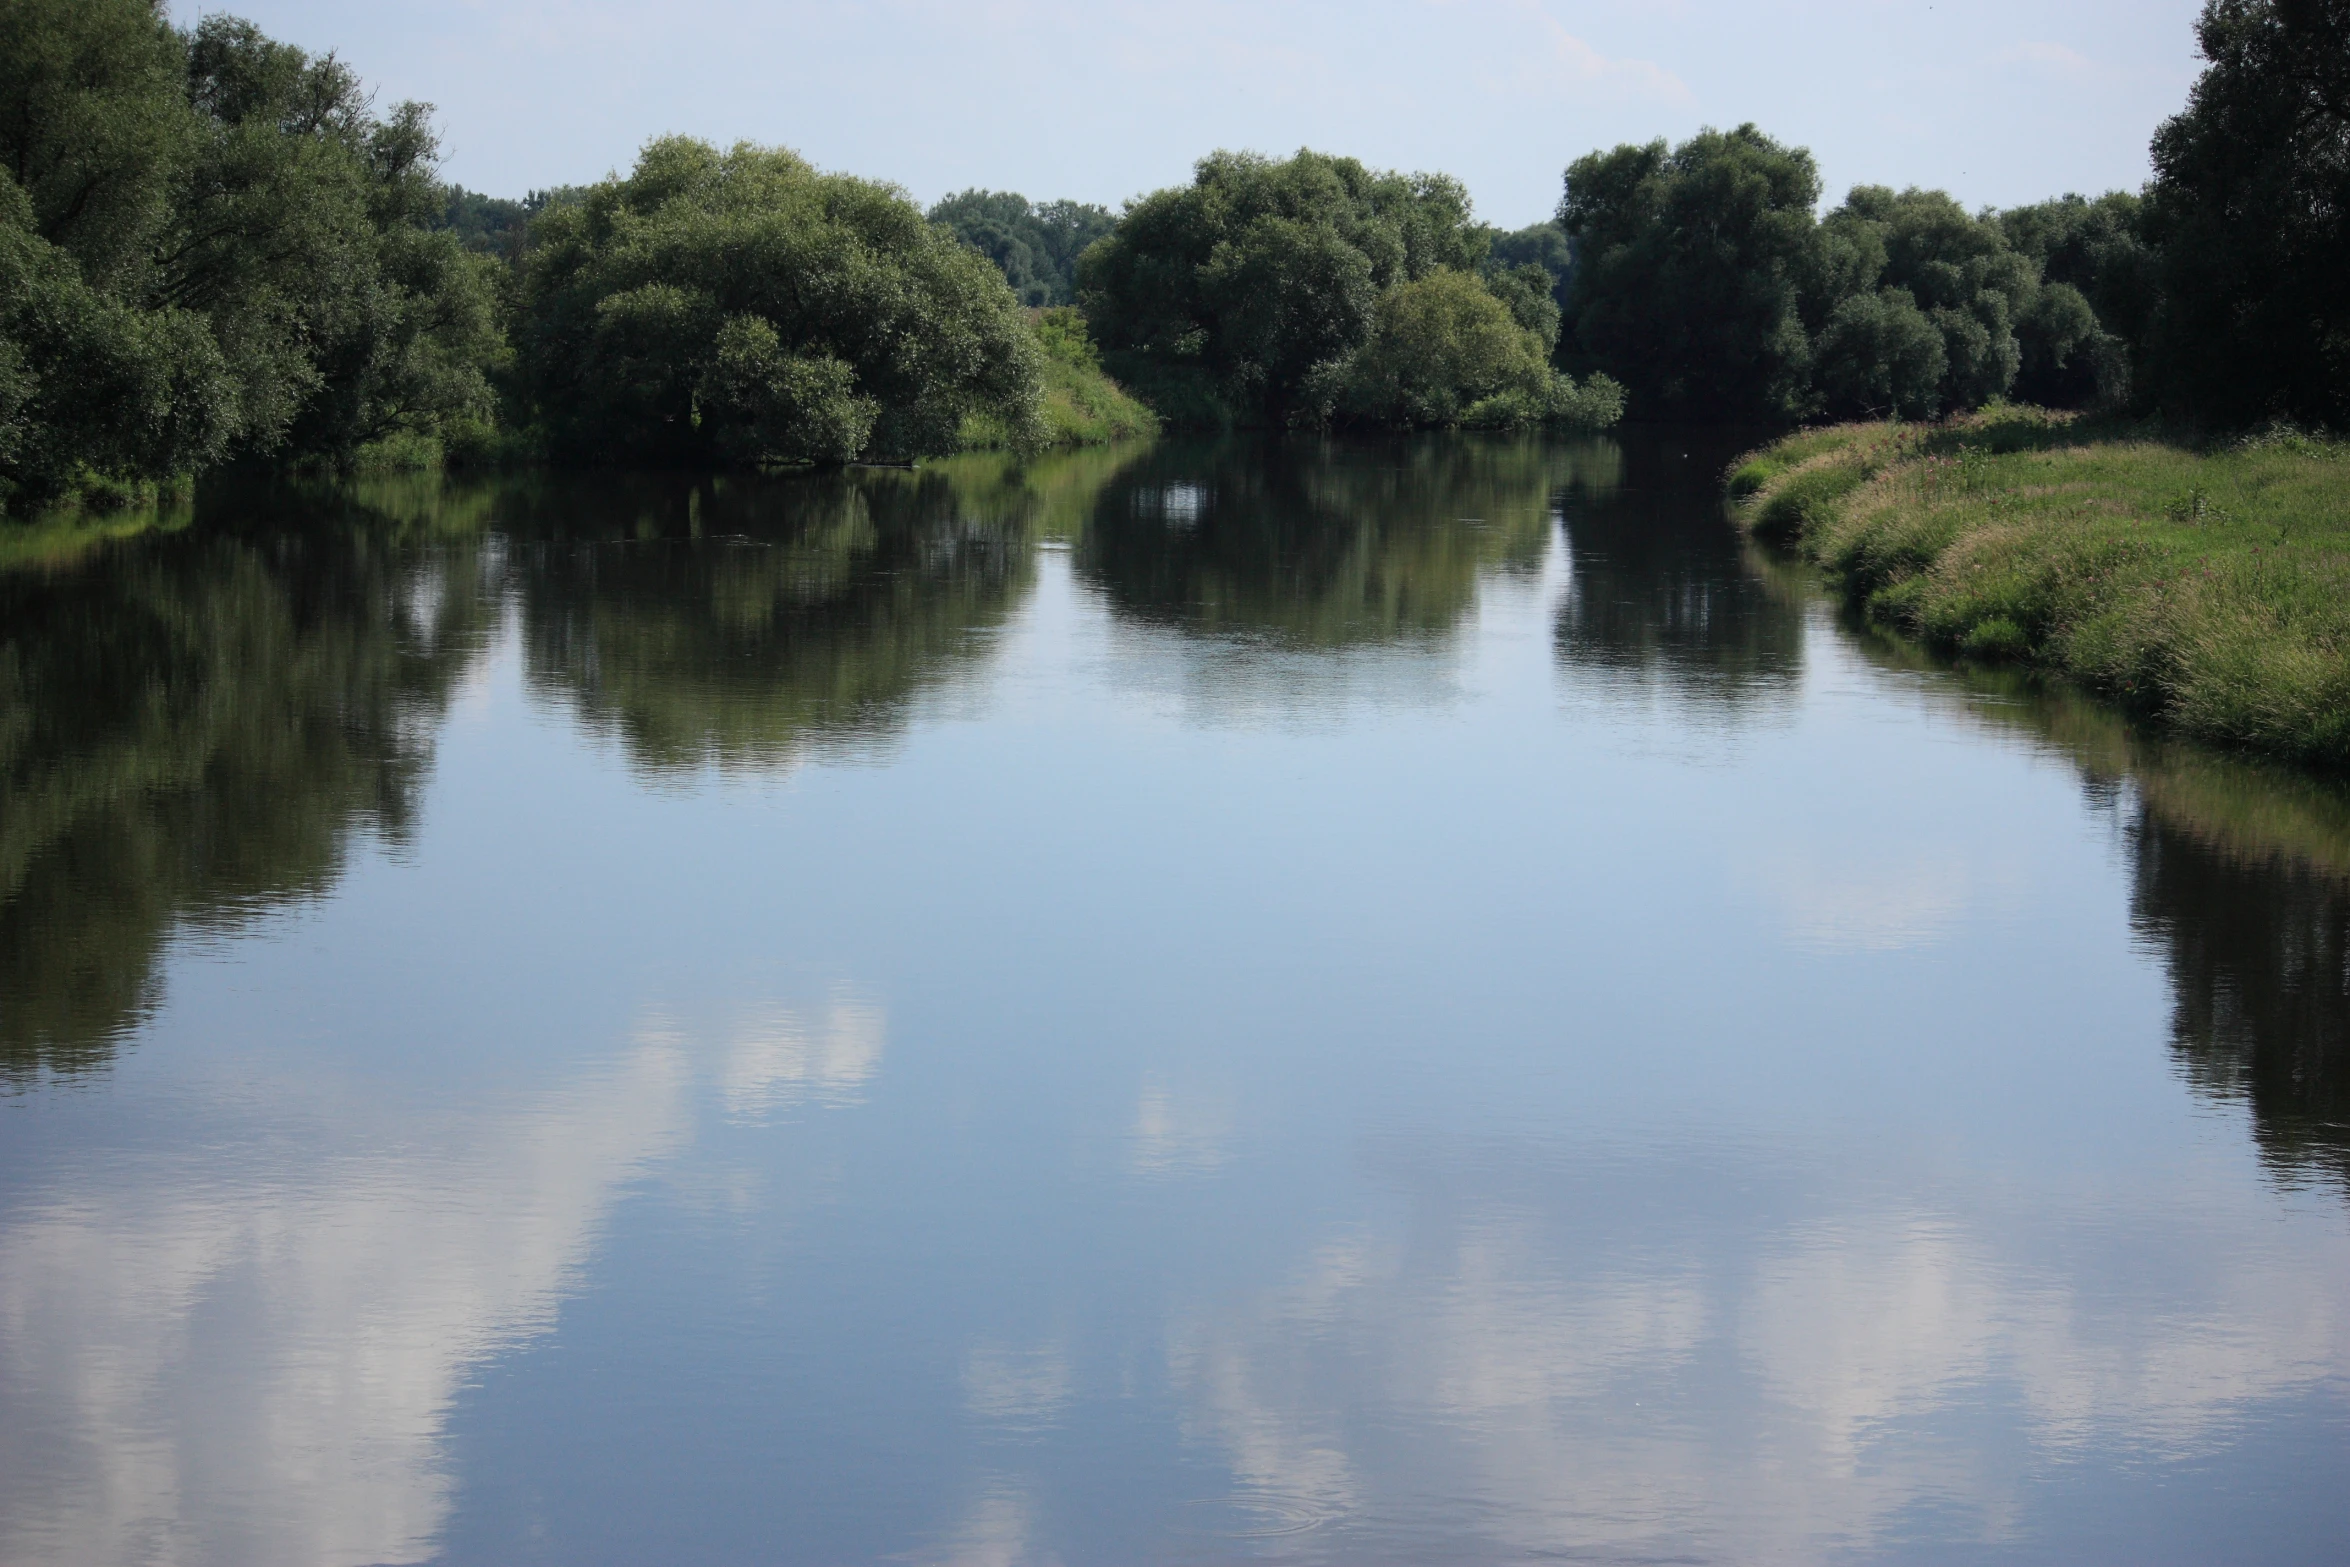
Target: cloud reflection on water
251, 1361
1508, 1372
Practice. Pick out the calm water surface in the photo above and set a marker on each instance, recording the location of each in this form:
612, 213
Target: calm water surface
1325, 1004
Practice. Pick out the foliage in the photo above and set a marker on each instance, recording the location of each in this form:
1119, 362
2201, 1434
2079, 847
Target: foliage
485, 225
2207, 586
2098, 249
1954, 272
211, 246
1035, 247
195, 727
2250, 210
1292, 292
1544, 245
1081, 406
1445, 350
1693, 267
741, 306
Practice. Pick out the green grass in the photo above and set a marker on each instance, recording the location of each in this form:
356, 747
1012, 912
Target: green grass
2204, 585
1082, 406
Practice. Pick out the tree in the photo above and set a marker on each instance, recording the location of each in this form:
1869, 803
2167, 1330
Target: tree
1692, 271
1543, 245
212, 245
2250, 208
740, 306
93, 133
1879, 355
308, 232
1233, 292
1954, 268
1036, 248
1438, 347
92, 390
2097, 250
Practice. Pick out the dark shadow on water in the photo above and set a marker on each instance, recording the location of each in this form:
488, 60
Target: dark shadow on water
1315, 543
1663, 596
192, 726
2240, 884
746, 622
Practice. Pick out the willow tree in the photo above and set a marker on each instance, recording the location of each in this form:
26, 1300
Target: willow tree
1294, 291
740, 306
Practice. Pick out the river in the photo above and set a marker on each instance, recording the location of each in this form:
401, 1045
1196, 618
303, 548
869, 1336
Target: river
1299, 1002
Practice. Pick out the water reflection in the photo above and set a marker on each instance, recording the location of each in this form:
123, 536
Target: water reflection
1246, 1145
192, 725
746, 623
2259, 954
1663, 597
2240, 876
254, 1364
1522, 1366
1322, 545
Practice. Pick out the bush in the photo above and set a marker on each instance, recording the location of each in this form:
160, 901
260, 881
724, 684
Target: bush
740, 306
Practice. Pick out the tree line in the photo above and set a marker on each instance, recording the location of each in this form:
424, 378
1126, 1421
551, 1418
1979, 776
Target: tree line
1701, 278
214, 248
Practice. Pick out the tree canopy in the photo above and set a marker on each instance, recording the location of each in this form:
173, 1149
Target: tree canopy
1271, 293
1704, 281
741, 305
1035, 247
2250, 213
211, 245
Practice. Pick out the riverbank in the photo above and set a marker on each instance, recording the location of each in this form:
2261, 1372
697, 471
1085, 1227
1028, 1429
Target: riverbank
2205, 586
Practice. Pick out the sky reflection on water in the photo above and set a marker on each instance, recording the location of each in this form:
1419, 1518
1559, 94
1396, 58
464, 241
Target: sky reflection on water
1408, 1003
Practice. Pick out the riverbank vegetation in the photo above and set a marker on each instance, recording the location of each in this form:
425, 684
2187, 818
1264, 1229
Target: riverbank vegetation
213, 249
741, 306
1035, 246
2208, 586
1314, 290
2148, 546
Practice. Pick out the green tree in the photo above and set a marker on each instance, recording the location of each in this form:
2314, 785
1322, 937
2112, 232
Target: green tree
1693, 269
213, 245
2099, 250
92, 389
1296, 292
1035, 247
1878, 354
2250, 208
1543, 245
1960, 274
1228, 295
741, 306
94, 129
307, 232
1442, 349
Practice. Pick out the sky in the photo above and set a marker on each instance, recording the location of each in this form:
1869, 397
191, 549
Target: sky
1997, 101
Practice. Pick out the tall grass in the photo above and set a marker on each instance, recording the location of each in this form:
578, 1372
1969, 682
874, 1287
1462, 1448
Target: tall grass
1082, 406
2206, 585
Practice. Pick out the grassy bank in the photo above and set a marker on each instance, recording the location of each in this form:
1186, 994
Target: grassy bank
2207, 586
1082, 406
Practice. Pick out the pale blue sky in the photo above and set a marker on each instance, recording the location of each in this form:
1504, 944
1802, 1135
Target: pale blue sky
1997, 101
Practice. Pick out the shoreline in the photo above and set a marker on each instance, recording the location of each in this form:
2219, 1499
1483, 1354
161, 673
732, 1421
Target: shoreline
2202, 587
